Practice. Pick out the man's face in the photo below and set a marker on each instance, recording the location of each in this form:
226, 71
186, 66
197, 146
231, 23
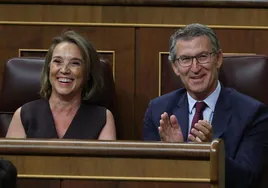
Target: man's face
200, 80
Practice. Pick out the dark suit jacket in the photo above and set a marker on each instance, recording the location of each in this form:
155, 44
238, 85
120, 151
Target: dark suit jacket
241, 121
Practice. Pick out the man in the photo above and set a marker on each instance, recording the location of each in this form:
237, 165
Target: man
205, 110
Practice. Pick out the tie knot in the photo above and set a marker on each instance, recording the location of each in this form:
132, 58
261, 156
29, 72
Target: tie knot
200, 107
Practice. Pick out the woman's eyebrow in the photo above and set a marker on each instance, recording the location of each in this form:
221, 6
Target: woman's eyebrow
76, 58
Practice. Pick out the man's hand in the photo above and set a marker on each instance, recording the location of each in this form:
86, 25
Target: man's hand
169, 129
201, 132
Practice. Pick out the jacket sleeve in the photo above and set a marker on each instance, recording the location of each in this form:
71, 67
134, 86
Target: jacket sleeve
245, 169
150, 129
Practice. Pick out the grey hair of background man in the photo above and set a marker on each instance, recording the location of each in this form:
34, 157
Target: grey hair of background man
189, 32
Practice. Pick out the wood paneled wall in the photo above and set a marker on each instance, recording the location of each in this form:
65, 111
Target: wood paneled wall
136, 34
134, 15
178, 3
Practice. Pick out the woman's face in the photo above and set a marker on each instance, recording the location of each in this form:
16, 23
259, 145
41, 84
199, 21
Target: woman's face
67, 70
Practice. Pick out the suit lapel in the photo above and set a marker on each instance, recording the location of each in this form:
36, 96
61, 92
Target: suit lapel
221, 118
181, 113
222, 114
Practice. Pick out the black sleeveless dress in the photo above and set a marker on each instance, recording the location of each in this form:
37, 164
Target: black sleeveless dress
38, 121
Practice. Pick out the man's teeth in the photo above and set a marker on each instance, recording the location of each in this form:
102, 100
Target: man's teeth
65, 80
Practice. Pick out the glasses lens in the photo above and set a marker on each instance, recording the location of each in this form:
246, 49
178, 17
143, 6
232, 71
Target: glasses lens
185, 61
203, 58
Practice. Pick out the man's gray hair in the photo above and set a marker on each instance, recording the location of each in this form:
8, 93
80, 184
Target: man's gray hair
187, 33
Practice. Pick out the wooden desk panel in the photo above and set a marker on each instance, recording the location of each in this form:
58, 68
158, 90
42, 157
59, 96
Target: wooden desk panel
128, 184
39, 183
117, 164
111, 168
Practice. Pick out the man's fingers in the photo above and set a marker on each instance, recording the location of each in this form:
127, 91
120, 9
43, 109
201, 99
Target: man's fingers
198, 139
202, 128
169, 129
165, 118
162, 133
191, 138
174, 122
164, 125
164, 121
206, 128
205, 124
161, 123
198, 134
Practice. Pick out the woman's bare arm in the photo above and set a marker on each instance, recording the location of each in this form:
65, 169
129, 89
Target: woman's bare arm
16, 129
108, 132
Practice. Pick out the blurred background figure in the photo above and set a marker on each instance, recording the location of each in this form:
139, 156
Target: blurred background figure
8, 174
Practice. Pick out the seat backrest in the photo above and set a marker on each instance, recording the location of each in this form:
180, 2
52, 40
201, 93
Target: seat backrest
247, 74
21, 84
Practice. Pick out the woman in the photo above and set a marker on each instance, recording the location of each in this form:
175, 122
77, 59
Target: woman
71, 74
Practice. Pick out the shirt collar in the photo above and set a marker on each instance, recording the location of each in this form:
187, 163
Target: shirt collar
210, 100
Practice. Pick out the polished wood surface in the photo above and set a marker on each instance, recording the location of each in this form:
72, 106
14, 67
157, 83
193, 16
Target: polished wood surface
130, 184
210, 3
38, 183
131, 15
103, 148
117, 161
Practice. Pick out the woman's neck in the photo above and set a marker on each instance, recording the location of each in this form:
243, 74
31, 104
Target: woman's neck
63, 105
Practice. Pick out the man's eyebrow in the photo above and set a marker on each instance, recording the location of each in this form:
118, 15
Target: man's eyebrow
200, 53
203, 52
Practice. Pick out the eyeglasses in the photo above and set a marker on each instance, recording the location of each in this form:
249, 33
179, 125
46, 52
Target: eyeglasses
187, 61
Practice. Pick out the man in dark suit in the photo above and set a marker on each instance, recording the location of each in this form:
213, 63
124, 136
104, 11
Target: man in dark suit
205, 110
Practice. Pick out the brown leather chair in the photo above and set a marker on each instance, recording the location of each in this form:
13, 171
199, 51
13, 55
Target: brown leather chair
21, 84
247, 74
